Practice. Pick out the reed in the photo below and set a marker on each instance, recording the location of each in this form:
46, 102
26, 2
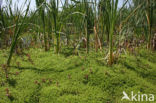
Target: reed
17, 32
41, 4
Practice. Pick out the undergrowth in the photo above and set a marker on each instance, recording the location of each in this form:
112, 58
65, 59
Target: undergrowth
66, 78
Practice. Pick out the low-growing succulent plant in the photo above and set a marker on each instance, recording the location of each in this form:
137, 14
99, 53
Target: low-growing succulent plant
82, 68
50, 80
7, 92
86, 76
91, 71
18, 64
43, 80
17, 73
57, 84
69, 76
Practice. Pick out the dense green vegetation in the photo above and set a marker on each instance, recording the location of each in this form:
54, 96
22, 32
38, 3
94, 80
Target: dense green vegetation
77, 51
63, 78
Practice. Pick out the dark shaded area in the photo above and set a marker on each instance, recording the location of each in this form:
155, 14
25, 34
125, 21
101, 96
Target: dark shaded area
11, 98
12, 82
47, 70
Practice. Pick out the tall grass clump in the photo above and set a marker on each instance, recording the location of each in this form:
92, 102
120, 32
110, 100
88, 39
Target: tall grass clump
112, 18
41, 5
20, 25
149, 15
54, 10
89, 24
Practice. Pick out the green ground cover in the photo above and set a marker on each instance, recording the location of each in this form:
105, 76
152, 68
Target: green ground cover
65, 78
